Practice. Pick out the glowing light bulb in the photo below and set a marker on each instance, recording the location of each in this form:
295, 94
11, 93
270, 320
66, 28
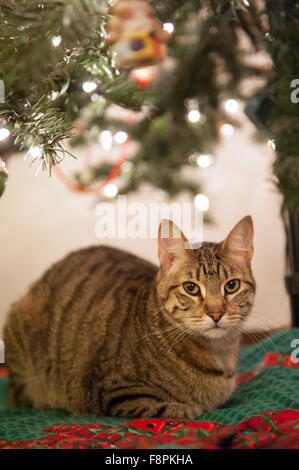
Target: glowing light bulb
202, 202
227, 130
110, 190
143, 76
106, 140
89, 87
231, 106
4, 133
120, 137
193, 158
194, 115
204, 161
168, 27
94, 97
56, 40
35, 151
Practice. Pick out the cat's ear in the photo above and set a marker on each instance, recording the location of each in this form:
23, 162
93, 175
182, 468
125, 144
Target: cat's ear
171, 243
239, 243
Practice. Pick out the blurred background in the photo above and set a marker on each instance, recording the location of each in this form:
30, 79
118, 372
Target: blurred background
192, 101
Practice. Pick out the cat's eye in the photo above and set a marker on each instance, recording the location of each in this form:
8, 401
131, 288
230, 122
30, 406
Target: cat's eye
232, 286
191, 288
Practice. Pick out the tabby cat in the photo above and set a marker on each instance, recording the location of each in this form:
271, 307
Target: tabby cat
104, 332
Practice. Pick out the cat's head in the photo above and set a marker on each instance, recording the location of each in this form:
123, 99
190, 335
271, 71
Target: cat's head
210, 289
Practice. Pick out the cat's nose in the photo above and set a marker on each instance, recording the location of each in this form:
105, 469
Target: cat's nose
216, 316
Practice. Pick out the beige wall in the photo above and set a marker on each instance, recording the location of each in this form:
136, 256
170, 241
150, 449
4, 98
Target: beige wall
41, 221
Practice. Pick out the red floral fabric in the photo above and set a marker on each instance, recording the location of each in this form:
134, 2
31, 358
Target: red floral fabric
272, 429
3, 372
270, 359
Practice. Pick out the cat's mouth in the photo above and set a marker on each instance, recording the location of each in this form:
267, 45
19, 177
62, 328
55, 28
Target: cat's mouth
216, 326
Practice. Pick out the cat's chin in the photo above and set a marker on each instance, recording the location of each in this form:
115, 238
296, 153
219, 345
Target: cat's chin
215, 332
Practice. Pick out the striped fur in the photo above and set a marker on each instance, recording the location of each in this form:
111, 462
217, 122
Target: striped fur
104, 332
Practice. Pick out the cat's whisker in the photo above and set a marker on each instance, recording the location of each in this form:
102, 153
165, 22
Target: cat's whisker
258, 338
157, 310
158, 332
270, 326
195, 332
184, 330
177, 336
251, 334
193, 328
261, 316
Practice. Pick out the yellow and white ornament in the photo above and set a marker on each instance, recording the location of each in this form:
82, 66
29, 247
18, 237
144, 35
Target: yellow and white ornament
136, 35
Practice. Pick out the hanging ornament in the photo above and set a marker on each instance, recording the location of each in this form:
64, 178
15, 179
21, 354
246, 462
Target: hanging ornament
3, 176
136, 35
143, 76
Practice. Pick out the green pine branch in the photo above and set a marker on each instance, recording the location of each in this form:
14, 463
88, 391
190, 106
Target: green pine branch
45, 100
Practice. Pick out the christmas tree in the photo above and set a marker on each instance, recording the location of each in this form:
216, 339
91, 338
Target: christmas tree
61, 81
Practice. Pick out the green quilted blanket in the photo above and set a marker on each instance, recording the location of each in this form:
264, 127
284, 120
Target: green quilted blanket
262, 412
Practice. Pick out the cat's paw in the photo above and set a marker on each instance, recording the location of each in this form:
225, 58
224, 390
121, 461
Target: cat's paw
180, 410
